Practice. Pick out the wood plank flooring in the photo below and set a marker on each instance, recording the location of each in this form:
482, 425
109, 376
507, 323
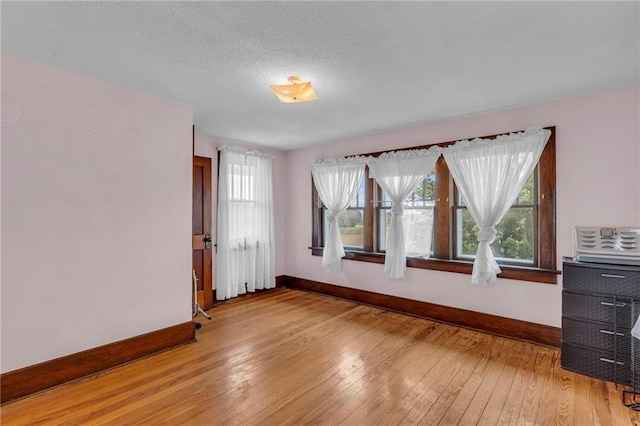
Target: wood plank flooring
288, 357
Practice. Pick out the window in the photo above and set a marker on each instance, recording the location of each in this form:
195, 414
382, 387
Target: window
514, 243
245, 244
351, 222
419, 209
524, 247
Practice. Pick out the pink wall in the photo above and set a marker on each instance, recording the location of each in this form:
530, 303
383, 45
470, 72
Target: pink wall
597, 184
96, 213
96, 207
208, 147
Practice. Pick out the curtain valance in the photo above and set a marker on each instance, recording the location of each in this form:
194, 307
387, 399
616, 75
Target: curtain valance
244, 151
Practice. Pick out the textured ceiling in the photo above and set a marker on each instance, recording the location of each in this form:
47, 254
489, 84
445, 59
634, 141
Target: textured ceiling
375, 66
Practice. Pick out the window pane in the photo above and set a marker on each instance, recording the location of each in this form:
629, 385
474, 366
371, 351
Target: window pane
385, 201
418, 230
384, 218
360, 201
514, 241
467, 234
527, 194
418, 219
427, 189
244, 219
351, 227
240, 182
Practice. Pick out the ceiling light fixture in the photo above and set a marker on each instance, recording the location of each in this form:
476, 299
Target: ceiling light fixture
296, 90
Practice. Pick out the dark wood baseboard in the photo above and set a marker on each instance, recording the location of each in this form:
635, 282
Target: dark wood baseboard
35, 378
507, 327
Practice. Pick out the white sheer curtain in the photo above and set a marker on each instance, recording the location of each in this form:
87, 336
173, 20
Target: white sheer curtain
337, 181
490, 174
246, 249
398, 174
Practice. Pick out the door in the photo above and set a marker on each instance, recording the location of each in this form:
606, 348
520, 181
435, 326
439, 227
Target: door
202, 230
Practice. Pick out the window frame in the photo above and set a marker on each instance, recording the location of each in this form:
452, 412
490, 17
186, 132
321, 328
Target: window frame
377, 202
443, 260
358, 208
457, 207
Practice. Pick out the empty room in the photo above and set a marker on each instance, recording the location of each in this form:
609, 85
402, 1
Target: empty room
320, 212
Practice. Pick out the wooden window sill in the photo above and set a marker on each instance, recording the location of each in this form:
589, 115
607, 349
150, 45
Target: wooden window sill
545, 276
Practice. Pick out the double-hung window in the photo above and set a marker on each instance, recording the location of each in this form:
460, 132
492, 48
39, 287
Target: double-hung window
440, 233
515, 243
419, 213
351, 222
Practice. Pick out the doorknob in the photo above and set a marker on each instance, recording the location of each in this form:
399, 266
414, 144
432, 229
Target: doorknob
207, 241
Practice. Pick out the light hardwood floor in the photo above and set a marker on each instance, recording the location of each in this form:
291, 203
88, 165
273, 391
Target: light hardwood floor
291, 357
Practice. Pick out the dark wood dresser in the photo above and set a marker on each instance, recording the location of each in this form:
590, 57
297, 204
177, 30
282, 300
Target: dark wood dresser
600, 303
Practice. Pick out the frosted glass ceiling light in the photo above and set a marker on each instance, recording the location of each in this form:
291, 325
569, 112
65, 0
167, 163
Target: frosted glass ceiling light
295, 90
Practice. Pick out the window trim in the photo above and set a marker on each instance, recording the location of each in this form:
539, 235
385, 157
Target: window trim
443, 260
456, 208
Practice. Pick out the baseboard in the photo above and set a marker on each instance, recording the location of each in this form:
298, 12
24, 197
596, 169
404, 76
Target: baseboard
29, 380
506, 327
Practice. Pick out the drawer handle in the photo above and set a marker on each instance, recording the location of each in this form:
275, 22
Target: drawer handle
611, 332
619, 305
610, 361
612, 276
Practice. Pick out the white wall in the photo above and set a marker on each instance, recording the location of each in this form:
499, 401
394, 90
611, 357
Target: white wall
208, 147
96, 213
598, 147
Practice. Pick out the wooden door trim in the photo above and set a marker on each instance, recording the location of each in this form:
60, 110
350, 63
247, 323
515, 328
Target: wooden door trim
197, 242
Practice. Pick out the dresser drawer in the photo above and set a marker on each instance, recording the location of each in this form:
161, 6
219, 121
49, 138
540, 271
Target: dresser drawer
619, 281
596, 335
595, 363
597, 308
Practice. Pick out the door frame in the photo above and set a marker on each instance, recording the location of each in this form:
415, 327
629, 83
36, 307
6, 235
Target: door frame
205, 300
